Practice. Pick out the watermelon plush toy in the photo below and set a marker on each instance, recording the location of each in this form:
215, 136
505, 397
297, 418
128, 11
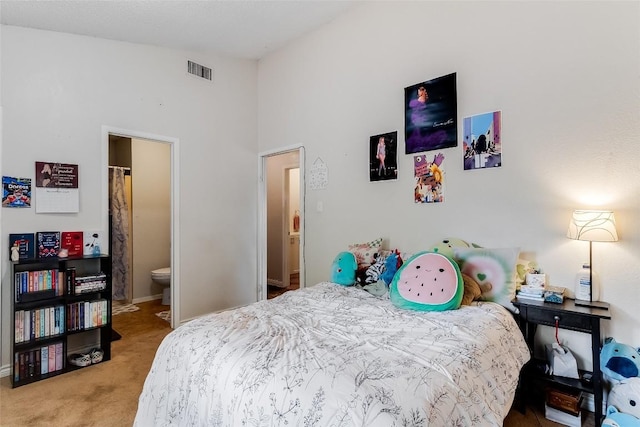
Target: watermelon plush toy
427, 281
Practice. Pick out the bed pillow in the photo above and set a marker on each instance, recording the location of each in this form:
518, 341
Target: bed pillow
365, 253
428, 281
493, 269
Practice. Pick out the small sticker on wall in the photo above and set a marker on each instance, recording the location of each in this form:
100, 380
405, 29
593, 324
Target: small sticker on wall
429, 179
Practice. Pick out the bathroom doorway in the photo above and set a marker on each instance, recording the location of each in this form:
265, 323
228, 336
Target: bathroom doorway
281, 226
149, 165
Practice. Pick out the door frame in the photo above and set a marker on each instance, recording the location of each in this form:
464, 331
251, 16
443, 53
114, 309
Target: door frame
175, 203
261, 291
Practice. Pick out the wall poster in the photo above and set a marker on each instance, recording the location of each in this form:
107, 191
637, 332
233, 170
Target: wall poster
57, 188
383, 156
429, 177
482, 144
430, 115
16, 192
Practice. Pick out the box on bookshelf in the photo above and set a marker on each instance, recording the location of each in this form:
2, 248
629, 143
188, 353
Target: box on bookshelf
73, 242
25, 243
48, 243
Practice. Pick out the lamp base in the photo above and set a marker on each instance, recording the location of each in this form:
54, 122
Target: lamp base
592, 304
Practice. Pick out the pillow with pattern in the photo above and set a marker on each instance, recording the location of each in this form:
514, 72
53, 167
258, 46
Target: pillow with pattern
365, 253
493, 269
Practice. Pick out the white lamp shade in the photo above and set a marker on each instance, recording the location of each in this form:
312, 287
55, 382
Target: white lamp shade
593, 225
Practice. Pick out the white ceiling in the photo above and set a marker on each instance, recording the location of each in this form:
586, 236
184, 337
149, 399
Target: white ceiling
238, 28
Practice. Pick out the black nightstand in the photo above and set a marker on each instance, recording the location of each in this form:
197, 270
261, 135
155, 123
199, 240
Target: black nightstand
572, 317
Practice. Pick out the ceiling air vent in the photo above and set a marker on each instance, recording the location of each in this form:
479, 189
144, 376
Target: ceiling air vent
199, 70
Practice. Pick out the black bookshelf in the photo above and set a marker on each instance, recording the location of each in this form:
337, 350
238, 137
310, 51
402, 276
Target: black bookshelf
48, 315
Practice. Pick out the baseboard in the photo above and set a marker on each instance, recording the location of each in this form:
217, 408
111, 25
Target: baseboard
146, 299
5, 371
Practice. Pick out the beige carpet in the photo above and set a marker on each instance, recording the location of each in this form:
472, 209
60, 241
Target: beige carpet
105, 394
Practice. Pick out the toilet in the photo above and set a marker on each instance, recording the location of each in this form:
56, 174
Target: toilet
162, 276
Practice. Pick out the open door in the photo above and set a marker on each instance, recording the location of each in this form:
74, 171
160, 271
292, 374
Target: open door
281, 224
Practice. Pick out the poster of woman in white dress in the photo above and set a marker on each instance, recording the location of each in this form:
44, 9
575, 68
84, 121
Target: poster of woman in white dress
383, 156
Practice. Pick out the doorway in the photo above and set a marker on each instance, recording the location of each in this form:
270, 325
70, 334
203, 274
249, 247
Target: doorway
169, 160
281, 225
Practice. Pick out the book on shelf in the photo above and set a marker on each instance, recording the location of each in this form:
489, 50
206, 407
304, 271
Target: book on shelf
73, 242
46, 282
92, 243
38, 361
48, 243
25, 243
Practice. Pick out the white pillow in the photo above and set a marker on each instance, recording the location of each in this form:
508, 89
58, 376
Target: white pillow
491, 266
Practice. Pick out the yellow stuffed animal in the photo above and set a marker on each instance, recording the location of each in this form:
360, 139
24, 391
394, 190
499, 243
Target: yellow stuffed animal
472, 289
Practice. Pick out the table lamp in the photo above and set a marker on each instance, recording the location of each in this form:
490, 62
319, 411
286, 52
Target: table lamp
592, 226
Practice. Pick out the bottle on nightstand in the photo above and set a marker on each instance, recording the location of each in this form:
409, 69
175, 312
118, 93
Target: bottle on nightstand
585, 290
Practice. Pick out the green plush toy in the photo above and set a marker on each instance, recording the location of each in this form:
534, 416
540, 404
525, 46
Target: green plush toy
446, 246
428, 281
343, 269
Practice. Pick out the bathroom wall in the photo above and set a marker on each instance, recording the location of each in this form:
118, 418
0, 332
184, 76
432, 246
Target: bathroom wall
151, 227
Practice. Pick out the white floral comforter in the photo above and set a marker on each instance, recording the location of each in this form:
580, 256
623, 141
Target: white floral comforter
336, 356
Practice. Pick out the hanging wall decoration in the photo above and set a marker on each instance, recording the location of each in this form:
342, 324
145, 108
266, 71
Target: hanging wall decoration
318, 175
430, 116
57, 188
429, 176
16, 192
383, 156
482, 145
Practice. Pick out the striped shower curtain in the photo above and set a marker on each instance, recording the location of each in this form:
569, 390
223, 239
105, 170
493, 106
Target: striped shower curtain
119, 235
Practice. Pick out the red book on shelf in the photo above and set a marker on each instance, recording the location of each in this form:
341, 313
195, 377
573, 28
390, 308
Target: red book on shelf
72, 241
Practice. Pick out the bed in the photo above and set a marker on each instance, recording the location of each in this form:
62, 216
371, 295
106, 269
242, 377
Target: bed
330, 355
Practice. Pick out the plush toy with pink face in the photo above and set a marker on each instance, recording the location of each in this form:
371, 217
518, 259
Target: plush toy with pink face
428, 281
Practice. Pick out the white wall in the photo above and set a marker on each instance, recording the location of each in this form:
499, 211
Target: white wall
58, 90
151, 184
564, 74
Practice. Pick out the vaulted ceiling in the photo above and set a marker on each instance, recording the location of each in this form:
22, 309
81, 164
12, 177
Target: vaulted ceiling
244, 29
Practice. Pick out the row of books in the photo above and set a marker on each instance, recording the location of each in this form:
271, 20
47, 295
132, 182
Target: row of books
38, 323
85, 284
27, 283
38, 361
87, 314
47, 244
35, 281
